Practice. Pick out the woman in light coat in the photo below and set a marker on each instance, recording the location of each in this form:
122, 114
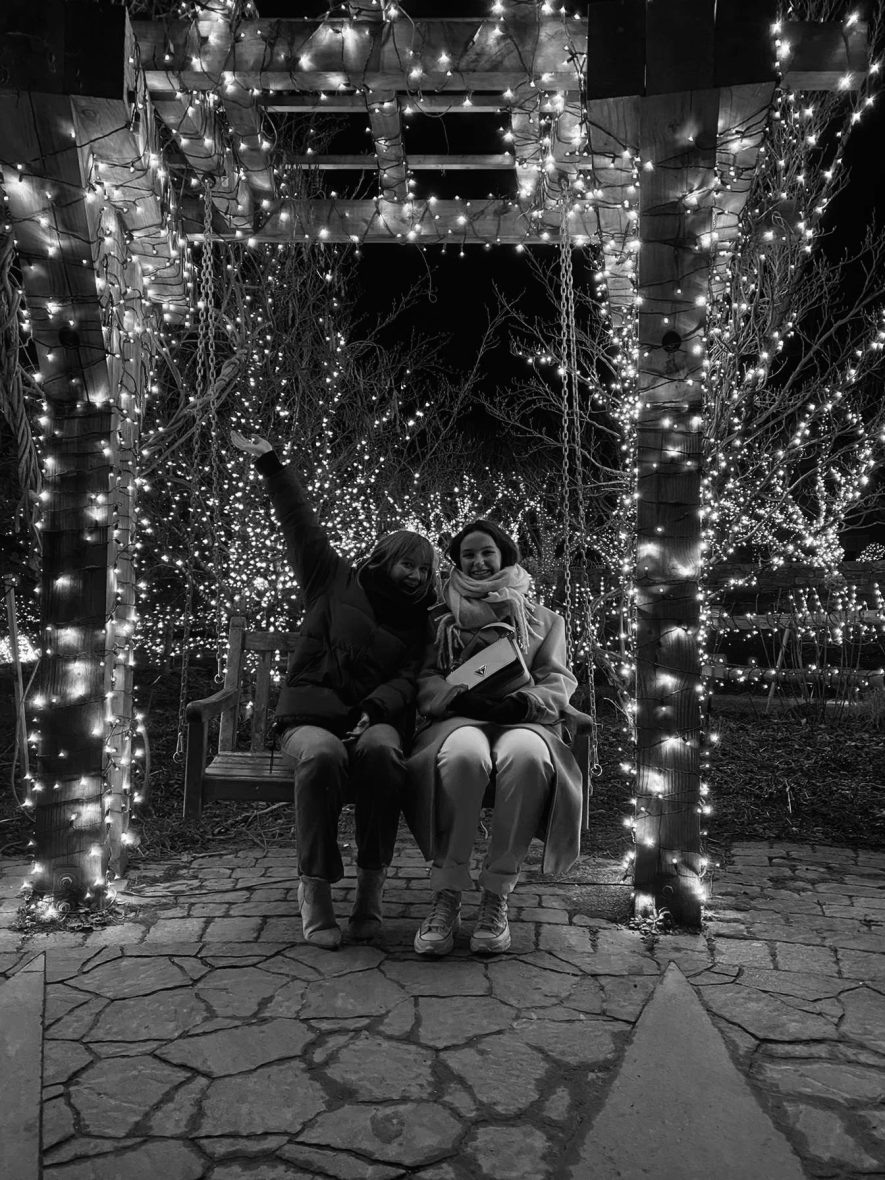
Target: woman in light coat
470, 741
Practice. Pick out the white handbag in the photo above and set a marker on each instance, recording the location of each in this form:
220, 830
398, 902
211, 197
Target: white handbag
495, 671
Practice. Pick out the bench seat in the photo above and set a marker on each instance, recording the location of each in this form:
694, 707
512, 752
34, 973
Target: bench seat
247, 774
259, 774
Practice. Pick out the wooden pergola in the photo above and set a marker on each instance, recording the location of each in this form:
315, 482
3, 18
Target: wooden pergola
110, 131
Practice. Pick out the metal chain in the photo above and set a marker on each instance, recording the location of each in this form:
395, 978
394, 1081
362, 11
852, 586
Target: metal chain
566, 439
193, 501
188, 596
207, 279
572, 438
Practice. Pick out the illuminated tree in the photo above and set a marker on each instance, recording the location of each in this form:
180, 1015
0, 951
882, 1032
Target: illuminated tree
793, 413
372, 427
793, 420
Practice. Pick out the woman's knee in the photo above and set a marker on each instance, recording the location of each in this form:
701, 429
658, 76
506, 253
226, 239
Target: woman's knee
309, 745
465, 753
380, 748
522, 752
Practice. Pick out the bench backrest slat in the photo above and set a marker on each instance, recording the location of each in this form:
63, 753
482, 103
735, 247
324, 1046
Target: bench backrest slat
270, 647
262, 698
233, 678
270, 640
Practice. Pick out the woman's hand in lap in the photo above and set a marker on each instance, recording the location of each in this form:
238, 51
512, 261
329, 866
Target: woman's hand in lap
509, 711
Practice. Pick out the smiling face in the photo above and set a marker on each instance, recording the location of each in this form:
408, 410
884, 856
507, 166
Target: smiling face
479, 556
409, 573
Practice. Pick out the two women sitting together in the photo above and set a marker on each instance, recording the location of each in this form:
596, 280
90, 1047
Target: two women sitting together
375, 647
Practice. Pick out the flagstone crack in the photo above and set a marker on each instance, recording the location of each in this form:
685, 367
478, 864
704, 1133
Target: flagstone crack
252, 1054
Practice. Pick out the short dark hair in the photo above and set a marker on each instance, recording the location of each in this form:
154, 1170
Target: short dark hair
509, 549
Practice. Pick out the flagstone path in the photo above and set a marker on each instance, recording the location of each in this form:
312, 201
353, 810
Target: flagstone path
203, 1038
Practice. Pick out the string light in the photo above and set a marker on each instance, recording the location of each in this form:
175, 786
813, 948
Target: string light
552, 163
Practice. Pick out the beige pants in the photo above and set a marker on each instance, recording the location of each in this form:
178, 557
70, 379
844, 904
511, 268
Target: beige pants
523, 777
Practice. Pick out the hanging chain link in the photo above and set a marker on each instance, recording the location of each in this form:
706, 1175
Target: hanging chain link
572, 437
207, 277
206, 280
565, 263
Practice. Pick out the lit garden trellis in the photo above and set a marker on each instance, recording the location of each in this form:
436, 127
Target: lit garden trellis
652, 147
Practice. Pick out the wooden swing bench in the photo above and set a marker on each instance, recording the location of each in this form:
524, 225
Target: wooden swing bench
259, 773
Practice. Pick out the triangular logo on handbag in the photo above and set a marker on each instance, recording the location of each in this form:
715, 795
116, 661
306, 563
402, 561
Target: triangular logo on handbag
481, 671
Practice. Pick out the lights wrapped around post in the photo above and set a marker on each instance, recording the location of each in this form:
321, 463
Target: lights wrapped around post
677, 138
86, 323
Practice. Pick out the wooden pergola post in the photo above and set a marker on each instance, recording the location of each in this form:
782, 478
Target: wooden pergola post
656, 114
677, 135
64, 105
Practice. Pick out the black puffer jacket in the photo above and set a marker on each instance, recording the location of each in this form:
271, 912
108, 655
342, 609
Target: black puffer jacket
361, 644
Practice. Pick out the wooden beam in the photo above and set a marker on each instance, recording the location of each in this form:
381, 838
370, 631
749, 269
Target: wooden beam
123, 158
250, 142
224, 140
120, 155
819, 677
309, 57
452, 54
455, 102
386, 125
548, 141
721, 619
201, 139
568, 144
427, 222
499, 161
614, 147
196, 132
525, 127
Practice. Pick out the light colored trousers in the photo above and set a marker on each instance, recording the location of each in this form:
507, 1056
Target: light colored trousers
523, 781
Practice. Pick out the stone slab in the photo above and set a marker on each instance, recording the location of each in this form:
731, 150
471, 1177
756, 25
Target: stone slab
706, 1120
21, 1052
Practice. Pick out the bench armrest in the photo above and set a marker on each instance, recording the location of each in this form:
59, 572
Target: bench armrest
212, 706
577, 722
198, 714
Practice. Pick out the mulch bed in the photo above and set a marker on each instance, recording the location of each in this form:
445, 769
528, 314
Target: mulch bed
800, 773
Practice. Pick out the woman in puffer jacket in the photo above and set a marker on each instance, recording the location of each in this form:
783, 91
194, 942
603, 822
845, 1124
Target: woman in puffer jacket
472, 739
348, 704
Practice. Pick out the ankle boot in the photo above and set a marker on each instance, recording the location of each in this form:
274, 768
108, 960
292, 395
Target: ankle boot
365, 921
317, 914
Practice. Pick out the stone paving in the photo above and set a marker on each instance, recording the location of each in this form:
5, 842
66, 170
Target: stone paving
203, 1038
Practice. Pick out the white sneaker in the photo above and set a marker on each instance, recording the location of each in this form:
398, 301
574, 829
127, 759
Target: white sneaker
491, 934
437, 933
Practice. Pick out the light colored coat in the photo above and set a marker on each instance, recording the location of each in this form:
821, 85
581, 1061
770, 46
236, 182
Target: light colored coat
553, 685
